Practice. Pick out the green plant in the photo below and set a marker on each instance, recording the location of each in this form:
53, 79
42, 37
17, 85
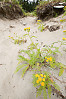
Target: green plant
18, 39
56, 15
65, 0
44, 83
10, 5
63, 20
33, 56
15, 2
41, 26
65, 11
34, 13
36, 58
43, 3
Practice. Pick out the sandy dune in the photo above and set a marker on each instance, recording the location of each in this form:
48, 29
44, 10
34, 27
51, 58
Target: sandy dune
11, 85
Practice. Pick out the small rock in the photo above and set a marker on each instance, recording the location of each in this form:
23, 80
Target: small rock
24, 24
12, 26
41, 43
13, 86
44, 45
36, 40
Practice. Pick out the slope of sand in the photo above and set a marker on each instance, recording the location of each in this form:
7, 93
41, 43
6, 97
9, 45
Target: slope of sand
12, 86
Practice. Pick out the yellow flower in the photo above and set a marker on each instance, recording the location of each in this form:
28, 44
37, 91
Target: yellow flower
37, 81
64, 31
40, 79
43, 79
37, 64
41, 75
38, 20
24, 29
44, 76
61, 20
42, 84
64, 38
46, 60
37, 75
50, 58
28, 28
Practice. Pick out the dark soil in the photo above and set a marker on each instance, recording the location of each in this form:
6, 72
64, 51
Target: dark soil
47, 11
10, 11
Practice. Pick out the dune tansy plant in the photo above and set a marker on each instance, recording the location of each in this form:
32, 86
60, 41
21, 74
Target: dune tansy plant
43, 82
38, 59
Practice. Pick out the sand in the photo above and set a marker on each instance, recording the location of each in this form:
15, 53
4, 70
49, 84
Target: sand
12, 86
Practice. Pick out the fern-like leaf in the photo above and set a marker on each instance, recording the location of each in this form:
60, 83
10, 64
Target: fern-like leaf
44, 93
39, 91
49, 91
33, 36
61, 71
26, 52
19, 67
22, 58
24, 70
56, 86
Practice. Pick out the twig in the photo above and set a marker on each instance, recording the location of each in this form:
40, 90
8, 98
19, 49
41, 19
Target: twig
57, 92
59, 80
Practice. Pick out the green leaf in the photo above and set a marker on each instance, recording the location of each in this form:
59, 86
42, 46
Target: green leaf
26, 51
39, 91
33, 36
49, 91
61, 71
24, 70
56, 86
44, 93
22, 58
25, 34
19, 67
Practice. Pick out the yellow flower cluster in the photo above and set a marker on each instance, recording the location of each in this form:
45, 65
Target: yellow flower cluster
48, 59
28, 28
41, 79
63, 38
64, 31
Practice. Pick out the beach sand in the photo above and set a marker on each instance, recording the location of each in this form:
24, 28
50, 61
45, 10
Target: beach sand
12, 86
